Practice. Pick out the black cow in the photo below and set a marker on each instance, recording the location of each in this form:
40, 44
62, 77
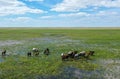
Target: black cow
46, 51
4, 52
29, 54
71, 54
92, 53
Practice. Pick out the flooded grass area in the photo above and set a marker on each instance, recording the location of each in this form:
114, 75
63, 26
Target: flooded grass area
111, 68
9, 43
105, 64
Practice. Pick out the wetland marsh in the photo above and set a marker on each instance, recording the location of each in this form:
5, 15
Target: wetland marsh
18, 41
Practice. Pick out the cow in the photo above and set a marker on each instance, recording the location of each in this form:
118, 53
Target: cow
71, 54
35, 51
82, 53
92, 53
4, 52
78, 55
64, 56
29, 54
46, 51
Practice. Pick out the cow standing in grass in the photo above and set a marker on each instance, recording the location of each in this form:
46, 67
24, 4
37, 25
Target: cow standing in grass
29, 54
4, 52
88, 54
82, 53
35, 51
78, 55
64, 56
92, 53
46, 51
71, 54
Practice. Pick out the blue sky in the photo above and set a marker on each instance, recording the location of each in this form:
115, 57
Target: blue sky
59, 13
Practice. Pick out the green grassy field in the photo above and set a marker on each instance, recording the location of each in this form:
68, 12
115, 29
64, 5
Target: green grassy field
18, 41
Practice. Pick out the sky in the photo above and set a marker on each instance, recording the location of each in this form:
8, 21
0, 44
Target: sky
59, 13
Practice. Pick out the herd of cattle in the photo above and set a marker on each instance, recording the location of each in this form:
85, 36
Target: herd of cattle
35, 52
70, 54
76, 55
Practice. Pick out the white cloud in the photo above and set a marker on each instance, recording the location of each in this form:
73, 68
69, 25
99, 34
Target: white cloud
106, 13
34, 0
81, 14
13, 7
94, 20
74, 14
47, 17
78, 14
21, 19
76, 5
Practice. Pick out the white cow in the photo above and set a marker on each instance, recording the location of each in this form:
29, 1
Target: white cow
35, 51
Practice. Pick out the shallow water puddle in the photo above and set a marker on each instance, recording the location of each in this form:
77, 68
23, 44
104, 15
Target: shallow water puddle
10, 46
111, 68
74, 73
10, 42
1, 60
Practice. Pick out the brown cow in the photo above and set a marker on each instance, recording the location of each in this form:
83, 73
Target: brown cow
64, 56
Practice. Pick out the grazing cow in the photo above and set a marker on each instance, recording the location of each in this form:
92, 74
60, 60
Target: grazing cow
78, 55
64, 56
35, 51
71, 54
92, 53
4, 52
46, 51
82, 53
29, 54
74, 53
87, 54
